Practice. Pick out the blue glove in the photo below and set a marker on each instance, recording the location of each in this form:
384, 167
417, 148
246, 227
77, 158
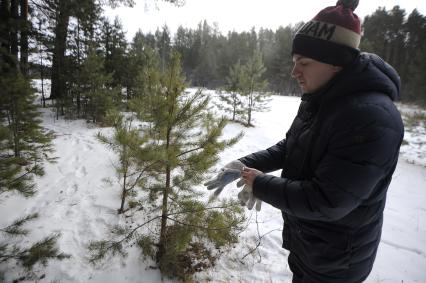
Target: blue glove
229, 173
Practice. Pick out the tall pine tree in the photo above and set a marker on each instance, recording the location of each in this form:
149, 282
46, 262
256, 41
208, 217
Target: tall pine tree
231, 99
24, 144
184, 141
98, 96
253, 86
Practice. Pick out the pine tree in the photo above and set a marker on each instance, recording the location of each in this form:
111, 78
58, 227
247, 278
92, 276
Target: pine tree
206, 70
140, 58
134, 155
42, 45
24, 143
62, 16
98, 96
186, 155
87, 10
148, 86
24, 146
115, 45
253, 86
163, 41
232, 97
184, 140
412, 72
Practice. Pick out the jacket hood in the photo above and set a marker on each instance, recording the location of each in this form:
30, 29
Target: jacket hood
368, 73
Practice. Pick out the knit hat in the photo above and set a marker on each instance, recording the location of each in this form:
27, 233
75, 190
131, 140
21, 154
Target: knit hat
332, 36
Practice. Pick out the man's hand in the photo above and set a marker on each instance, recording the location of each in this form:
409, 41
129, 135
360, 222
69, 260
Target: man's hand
229, 173
249, 174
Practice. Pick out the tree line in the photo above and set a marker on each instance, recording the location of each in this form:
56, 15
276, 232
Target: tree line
393, 34
400, 39
207, 54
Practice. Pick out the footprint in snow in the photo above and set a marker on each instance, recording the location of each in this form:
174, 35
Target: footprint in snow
88, 147
71, 190
75, 159
81, 172
75, 141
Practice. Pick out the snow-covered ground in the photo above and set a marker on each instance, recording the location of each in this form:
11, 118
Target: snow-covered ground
413, 150
74, 200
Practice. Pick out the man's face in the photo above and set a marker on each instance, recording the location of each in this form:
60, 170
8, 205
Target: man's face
311, 74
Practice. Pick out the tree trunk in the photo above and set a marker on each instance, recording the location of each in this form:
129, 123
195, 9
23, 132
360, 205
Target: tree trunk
24, 38
58, 87
14, 120
234, 105
4, 30
78, 66
164, 211
124, 192
251, 103
123, 196
40, 50
43, 98
14, 11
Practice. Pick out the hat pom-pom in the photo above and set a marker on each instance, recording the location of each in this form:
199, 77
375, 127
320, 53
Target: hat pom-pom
350, 4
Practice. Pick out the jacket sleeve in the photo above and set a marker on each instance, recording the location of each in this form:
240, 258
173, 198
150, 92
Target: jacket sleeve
362, 152
267, 160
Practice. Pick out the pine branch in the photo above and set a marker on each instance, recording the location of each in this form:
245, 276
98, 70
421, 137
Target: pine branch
200, 227
105, 245
199, 210
41, 252
191, 150
33, 169
143, 171
128, 236
15, 227
42, 8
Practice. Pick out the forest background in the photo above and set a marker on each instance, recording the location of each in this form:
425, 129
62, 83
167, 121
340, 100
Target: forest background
61, 32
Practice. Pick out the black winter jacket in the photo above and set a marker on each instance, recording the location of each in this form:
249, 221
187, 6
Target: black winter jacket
337, 161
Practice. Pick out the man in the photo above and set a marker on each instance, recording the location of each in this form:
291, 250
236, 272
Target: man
338, 156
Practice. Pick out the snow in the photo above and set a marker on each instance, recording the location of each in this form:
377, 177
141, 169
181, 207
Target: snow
76, 200
415, 134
